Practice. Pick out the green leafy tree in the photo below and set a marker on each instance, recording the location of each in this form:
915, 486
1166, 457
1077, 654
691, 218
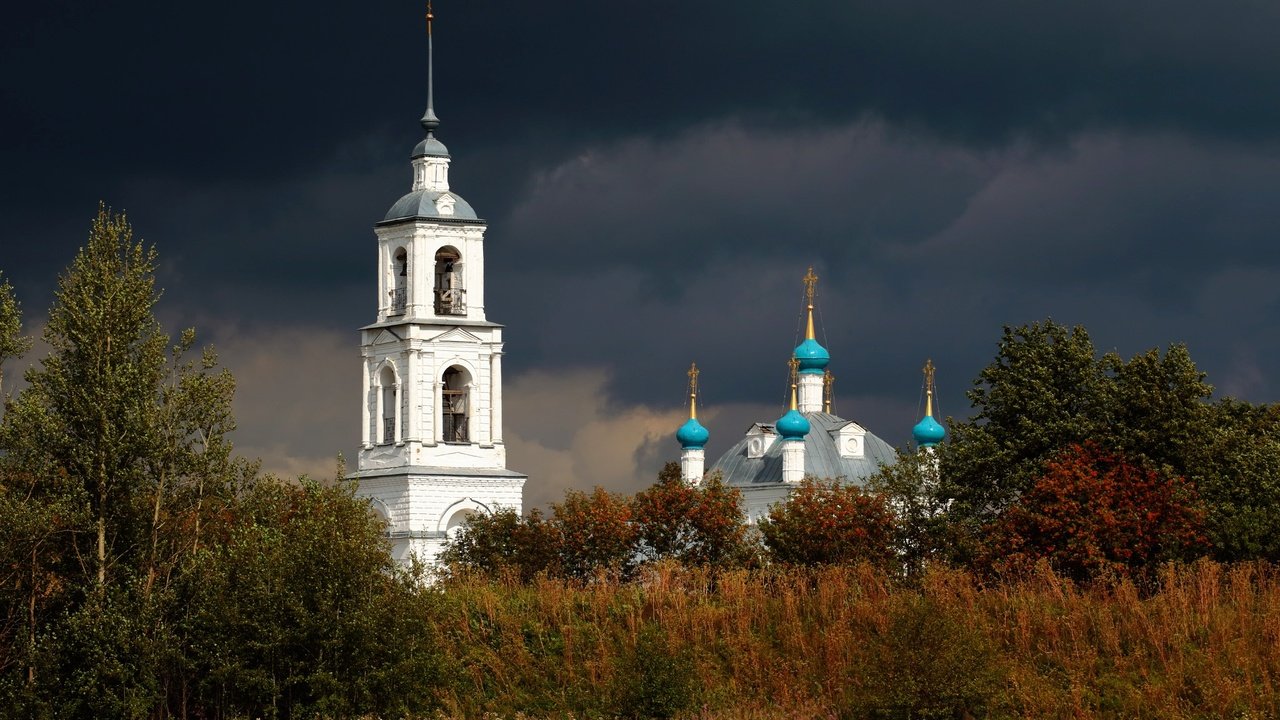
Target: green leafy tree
503, 541
1047, 390
298, 610
1097, 514
1236, 467
13, 344
923, 530
824, 522
99, 384
700, 525
1038, 396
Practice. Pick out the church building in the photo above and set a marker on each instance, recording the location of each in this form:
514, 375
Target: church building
809, 440
431, 453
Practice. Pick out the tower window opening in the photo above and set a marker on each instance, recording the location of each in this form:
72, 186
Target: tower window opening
390, 405
451, 296
400, 284
454, 415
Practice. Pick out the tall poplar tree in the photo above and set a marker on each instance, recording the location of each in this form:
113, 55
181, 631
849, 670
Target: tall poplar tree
99, 382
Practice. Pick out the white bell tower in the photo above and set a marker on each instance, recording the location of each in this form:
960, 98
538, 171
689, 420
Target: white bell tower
431, 452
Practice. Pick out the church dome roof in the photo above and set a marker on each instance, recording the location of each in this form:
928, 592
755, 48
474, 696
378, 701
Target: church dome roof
928, 432
812, 356
792, 426
424, 204
430, 146
692, 435
823, 456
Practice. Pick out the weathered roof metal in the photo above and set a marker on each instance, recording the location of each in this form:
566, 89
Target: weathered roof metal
821, 456
422, 204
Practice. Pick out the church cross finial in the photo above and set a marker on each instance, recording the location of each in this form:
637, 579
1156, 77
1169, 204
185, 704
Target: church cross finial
693, 390
810, 285
794, 364
928, 387
828, 390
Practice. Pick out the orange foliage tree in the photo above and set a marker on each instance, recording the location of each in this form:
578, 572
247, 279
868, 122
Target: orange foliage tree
700, 525
826, 523
1094, 513
593, 532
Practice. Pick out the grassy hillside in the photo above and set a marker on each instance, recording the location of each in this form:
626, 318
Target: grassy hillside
846, 642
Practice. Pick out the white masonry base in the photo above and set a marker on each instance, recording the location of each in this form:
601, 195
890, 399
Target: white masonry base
792, 461
423, 507
692, 462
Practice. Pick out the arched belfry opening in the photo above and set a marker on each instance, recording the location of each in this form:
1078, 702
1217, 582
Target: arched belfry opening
451, 296
455, 411
388, 406
399, 281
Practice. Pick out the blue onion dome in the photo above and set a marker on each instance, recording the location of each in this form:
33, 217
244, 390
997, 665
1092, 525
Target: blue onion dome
813, 357
928, 432
692, 435
792, 426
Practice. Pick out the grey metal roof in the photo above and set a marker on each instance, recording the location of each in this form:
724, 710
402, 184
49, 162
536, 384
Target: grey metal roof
821, 456
422, 204
430, 146
438, 472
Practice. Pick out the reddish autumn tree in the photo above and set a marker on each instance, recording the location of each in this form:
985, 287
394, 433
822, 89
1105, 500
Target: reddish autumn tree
825, 522
593, 533
1094, 513
700, 525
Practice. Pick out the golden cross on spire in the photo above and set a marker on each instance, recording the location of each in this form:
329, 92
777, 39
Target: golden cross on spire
810, 283
828, 389
794, 364
928, 387
430, 16
693, 389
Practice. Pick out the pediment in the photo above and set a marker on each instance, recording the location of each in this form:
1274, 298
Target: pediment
457, 335
385, 337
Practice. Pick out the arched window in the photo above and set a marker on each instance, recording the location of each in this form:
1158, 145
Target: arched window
451, 296
388, 405
400, 282
454, 406
458, 521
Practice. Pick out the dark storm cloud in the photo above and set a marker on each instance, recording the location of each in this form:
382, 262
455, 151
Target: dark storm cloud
657, 178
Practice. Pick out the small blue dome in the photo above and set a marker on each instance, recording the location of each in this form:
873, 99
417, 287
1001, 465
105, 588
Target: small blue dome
813, 357
792, 426
692, 435
928, 432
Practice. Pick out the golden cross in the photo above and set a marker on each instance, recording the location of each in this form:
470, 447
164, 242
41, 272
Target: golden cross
828, 387
430, 16
928, 374
810, 282
693, 379
794, 364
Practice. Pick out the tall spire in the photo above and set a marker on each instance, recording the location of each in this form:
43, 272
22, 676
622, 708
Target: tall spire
928, 432
429, 120
928, 387
812, 356
828, 390
794, 364
810, 284
692, 435
693, 390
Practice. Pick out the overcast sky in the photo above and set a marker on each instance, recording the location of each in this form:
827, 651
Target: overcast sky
657, 177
